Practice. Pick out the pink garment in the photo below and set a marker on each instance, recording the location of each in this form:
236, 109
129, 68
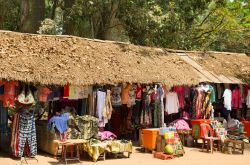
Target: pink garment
105, 135
180, 90
180, 124
236, 99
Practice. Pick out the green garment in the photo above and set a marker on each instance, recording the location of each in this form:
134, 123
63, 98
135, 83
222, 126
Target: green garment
212, 96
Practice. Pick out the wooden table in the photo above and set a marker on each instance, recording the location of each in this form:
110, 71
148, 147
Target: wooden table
182, 134
73, 144
234, 143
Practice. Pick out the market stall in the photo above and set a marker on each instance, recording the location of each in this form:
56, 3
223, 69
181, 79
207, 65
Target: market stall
69, 88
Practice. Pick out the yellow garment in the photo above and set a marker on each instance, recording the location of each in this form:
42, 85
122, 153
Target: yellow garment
115, 146
107, 112
95, 149
73, 92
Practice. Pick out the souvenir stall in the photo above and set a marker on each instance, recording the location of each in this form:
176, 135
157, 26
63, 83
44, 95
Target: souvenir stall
220, 104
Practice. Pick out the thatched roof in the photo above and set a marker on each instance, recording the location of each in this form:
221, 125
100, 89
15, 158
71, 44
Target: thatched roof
60, 59
225, 66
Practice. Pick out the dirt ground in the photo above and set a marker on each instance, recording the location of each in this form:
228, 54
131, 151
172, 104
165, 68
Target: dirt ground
193, 156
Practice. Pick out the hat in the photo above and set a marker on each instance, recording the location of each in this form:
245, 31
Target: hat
26, 100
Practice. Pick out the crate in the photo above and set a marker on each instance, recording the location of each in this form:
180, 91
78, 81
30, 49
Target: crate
149, 137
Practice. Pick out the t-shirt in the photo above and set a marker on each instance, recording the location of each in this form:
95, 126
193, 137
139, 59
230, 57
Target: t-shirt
227, 95
138, 93
132, 96
172, 103
116, 96
83, 92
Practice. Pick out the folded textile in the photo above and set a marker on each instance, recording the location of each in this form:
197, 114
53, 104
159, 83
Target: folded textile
180, 124
106, 135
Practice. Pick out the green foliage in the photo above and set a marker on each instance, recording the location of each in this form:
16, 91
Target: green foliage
222, 25
10, 14
49, 26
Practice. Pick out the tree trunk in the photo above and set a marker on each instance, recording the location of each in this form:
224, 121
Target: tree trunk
25, 7
31, 15
38, 13
108, 21
68, 25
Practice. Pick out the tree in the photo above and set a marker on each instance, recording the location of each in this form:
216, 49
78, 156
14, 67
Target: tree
179, 24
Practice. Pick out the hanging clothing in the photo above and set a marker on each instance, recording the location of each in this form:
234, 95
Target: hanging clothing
212, 95
227, 95
138, 93
160, 95
172, 103
66, 91
125, 94
43, 93
248, 99
131, 94
236, 99
101, 100
207, 106
197, 103
83, 92
108, 107
219, 91
9, 93
242, 95
180, 90
73, 95
145, 118
116, 96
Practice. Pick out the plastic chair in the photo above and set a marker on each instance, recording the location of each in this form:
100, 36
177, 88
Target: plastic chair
209, 139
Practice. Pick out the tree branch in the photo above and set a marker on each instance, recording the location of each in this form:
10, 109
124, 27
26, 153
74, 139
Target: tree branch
210, 31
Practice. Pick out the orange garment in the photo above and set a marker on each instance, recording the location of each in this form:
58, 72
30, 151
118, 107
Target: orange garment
43, 93
125, 94
9, 93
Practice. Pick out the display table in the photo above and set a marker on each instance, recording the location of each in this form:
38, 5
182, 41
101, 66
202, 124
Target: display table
96, 148
233, 144
71, 145
247, 128
182, 133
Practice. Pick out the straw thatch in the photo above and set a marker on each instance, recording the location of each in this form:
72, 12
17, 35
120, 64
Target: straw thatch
60, 59
223, 63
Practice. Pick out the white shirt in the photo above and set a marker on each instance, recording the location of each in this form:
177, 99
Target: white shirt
227, 95
172, 103
248, 99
